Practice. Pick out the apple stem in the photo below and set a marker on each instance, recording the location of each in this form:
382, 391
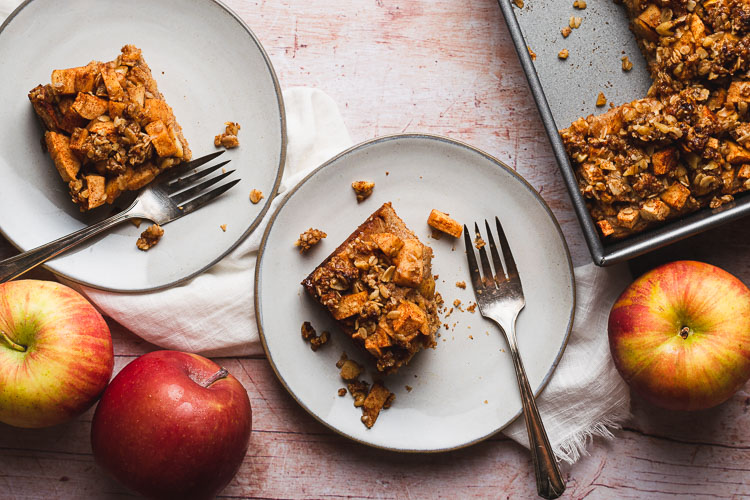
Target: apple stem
222, 373
685, 332
13, 345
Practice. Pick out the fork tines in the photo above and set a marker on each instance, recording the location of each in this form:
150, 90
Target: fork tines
502, 273
183, 188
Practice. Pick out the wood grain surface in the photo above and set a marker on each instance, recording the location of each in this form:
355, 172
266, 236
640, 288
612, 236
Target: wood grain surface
445, 67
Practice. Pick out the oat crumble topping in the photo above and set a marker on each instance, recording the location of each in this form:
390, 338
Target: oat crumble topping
363, 189
150, 237
687, 144
309, 334
378, 286
228, 139
309, 239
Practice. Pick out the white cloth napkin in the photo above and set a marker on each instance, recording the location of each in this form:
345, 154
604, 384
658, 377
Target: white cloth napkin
214, 313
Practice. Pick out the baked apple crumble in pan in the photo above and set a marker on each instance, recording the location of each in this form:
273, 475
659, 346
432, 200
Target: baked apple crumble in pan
108, 128
684, 146
378, 286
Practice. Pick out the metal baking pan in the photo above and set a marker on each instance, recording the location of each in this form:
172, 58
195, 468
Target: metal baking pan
567, 89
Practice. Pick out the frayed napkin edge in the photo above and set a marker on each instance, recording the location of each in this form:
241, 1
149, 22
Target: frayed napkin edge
575, 446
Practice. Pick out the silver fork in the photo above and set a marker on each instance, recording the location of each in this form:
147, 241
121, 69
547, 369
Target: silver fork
500, 298
163, 201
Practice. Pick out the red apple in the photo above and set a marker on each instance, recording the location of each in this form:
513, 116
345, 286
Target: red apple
55, 353
680, 335
172, 425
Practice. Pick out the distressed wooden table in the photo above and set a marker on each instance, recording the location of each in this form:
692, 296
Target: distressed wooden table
445, 67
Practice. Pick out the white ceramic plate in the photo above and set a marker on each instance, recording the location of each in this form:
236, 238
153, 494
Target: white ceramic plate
210, 68
465, 389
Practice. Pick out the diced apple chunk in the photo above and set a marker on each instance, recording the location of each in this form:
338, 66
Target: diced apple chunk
443, 222
605, 227
654, 210
411, 320
66, 162
64, 81
675, 196
409, 264
664, 161
89, 106
389, 243
97, 193
736, 154
350, 305
161, 139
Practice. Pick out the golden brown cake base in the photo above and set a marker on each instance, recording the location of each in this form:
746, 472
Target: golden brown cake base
108, 128
378, 286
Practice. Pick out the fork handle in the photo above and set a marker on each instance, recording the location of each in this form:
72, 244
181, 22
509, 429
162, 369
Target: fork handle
17, 265
549, 482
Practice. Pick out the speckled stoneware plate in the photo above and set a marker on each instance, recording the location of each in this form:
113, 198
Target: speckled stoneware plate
210, 68
465, 389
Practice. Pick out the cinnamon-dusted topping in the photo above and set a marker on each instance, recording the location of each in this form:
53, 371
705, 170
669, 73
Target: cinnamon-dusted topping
228, 139
309, 334
108, 129
363, 189
379, 287
309, 239
150, 237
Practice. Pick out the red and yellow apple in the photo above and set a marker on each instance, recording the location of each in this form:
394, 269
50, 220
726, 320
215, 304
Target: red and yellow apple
172, 425
680, 335
55, 353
